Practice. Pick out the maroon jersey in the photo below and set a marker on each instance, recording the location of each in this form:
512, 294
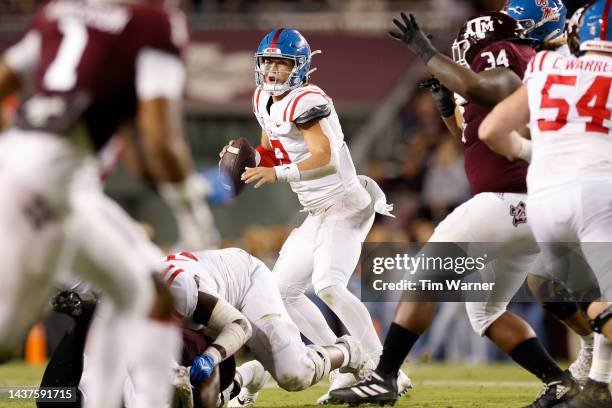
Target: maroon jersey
86, 76
486, 170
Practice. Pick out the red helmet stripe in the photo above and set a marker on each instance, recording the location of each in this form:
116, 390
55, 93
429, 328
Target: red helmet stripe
604, 24
275, 39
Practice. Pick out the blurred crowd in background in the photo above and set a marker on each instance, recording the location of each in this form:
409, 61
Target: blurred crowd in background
413, 157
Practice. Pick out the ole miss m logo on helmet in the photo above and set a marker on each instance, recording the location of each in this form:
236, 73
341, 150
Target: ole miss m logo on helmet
479, 26
541, 3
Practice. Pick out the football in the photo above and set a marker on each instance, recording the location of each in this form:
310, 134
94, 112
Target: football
238, 156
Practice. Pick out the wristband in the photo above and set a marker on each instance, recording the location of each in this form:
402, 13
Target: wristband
287, 172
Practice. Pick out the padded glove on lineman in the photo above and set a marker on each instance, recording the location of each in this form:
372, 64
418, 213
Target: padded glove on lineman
201, 368
443, 98
411, 34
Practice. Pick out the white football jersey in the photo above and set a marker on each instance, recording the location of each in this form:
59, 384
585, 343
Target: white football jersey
290, 147
224, 273
570, 105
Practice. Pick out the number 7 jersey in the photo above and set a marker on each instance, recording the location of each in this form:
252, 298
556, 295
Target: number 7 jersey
570, 118
277, 120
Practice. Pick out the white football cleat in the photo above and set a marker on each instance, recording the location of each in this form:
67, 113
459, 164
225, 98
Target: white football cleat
582, 365
404, 384
336, 380
249, 392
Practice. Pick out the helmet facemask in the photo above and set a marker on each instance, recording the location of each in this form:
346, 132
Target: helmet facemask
460, 49
294, 77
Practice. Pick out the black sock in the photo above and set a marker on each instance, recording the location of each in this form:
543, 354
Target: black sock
532, 356
398, 343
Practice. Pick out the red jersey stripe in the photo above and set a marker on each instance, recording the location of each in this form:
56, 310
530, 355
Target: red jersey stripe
256, 100
542, 60
604, 23
174, 275
295, 102
531, 64
189, 255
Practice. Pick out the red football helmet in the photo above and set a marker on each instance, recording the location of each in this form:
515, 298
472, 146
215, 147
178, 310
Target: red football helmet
482, 30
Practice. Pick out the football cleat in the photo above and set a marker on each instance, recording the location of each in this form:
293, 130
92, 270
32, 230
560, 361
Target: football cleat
582, 365
556, 392
74, 304
373, 390
336, 380
595, 394
404, 384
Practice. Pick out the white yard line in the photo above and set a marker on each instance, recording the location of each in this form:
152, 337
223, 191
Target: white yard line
454, 383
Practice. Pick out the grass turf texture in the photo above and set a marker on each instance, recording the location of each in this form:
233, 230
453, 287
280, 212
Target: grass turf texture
436, 386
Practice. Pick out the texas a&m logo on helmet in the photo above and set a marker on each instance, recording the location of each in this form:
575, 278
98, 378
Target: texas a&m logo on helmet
482, 30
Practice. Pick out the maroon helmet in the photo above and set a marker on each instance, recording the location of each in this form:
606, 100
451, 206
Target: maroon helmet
482, 30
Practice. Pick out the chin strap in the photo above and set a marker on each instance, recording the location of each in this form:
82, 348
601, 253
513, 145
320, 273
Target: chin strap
598, 323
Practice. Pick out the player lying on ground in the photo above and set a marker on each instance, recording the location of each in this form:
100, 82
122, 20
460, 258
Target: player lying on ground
492, 45
302, 143
65, 368
247, 284
566, 101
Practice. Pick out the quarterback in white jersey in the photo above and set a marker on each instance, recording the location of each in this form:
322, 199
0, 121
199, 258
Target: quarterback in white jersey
302, 143
568, 104
247, 284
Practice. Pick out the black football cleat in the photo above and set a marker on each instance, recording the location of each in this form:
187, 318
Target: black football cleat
375, 389
594, 394
74, 304
556, 392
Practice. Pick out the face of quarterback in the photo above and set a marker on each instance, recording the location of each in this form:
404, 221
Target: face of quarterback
276, 70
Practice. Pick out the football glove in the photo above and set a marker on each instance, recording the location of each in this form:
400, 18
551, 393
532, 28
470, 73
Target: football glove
411, 34
201, 368
443, 98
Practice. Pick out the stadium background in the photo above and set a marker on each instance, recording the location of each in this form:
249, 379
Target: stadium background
392, 128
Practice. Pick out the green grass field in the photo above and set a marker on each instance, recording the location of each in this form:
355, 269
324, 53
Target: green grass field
436, 386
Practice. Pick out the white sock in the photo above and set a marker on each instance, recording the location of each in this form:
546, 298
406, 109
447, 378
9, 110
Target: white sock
355, 317
247, 373
601, 368
153, 354
309, 319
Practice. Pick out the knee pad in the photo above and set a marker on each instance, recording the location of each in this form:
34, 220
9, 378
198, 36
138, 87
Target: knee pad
302, 371
483, 314
601, 319
555, 298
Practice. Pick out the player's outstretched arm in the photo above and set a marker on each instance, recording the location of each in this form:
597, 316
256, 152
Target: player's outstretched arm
497, 130
484, 88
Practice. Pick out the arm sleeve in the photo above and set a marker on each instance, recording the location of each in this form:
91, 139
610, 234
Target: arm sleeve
234, 331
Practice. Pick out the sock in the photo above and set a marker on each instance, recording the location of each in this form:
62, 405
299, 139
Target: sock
355, 317
309, 319
248, 372
601, 368
586, 342
532, 356
398, 343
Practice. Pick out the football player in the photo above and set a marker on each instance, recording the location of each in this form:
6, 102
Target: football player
566, 101
245, 283
302, 143
490, 56
83, 92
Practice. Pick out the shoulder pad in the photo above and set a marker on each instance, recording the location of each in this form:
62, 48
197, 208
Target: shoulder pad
314, 113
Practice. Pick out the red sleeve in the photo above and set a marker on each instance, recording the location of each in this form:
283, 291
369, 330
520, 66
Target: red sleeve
502, 54
267, 158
